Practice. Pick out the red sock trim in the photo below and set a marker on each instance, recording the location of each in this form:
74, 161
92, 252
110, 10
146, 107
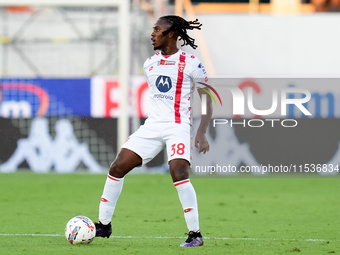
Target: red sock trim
181, 182
112, 178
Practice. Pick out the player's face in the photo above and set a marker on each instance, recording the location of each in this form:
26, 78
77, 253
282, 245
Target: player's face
159, 41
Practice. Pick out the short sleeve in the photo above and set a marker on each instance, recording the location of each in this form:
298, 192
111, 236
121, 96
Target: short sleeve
198, 74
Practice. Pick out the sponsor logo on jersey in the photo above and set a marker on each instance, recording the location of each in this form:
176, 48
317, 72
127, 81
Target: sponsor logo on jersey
203, 70
163, 83
181, 66
165, 96
150, 68
163, 62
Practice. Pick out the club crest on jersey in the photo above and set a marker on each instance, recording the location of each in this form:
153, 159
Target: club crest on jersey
181, 66
163, 83
163, 62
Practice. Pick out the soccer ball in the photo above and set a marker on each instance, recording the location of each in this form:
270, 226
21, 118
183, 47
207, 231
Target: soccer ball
80, 230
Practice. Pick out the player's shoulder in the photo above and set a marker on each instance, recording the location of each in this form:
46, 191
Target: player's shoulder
150, 60
192, 60
153, 57
189, 57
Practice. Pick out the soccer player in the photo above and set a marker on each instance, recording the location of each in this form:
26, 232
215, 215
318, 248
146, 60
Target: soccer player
171, 75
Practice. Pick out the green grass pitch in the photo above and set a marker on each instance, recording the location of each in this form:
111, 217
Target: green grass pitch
237, 215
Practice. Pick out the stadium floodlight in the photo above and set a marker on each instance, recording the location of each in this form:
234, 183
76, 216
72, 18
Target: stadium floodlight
123, 7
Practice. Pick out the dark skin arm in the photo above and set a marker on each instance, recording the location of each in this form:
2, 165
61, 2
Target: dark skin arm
201, 142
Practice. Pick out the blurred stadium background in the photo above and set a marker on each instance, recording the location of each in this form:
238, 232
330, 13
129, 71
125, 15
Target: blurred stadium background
81, 62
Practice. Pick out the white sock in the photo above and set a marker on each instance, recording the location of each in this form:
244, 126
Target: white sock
187, 196
112, 189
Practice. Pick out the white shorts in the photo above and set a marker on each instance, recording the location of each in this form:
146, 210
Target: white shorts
151, 138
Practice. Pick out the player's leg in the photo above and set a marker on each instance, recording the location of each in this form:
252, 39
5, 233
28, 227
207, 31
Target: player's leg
179, 156
179, 169
124, 163
140, 148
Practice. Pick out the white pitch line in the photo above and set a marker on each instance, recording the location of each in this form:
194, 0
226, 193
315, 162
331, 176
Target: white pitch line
223, 238
3, 234
181, 237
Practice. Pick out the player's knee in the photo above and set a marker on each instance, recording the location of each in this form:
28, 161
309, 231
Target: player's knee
117, 170
180, 174
179, 169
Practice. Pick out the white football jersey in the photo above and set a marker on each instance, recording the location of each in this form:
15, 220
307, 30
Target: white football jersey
171, 81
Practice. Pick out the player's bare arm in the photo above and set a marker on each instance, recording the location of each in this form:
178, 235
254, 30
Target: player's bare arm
201, 142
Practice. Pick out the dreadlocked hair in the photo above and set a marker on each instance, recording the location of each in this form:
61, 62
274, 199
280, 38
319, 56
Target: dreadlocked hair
180, 25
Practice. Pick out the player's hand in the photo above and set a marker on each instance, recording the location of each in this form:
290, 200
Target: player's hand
201, 142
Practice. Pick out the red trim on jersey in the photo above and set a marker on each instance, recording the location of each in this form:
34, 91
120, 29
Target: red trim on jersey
179, 183
179, 89
114, 179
